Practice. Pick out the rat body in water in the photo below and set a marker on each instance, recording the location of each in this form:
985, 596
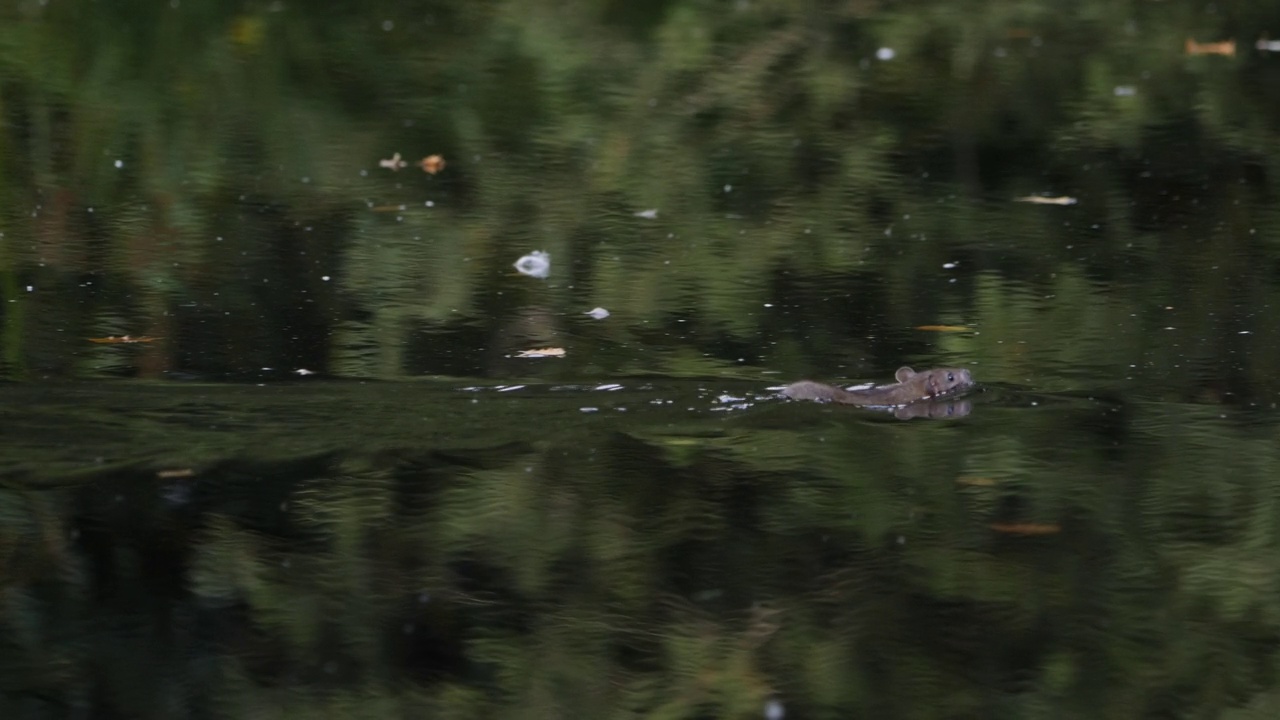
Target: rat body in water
911, 387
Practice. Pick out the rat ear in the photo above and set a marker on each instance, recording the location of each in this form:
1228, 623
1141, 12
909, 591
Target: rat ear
904, 374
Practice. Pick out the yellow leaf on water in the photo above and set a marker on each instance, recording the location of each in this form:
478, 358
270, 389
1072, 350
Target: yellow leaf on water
248, 31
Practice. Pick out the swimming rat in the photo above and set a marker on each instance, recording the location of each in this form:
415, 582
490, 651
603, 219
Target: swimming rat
911, 387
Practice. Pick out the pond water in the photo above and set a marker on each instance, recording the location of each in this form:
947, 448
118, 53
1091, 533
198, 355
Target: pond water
420, 359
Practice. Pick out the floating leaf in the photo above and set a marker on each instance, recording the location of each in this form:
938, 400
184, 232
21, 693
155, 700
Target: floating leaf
175, 473
944, 328
1042, 200
541, 352
1226, 48
432, 164
392, 163
117, 339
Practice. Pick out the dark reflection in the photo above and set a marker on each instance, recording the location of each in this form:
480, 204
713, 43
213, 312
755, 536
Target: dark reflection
934, 409
636, 540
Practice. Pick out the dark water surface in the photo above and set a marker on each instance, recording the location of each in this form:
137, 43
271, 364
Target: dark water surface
269, 446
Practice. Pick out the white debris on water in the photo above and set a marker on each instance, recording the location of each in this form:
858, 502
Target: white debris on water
598, 313
535, 264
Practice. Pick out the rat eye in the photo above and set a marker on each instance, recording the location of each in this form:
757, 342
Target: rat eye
951, 377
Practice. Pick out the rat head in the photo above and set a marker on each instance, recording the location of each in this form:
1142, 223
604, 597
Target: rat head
937, 382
